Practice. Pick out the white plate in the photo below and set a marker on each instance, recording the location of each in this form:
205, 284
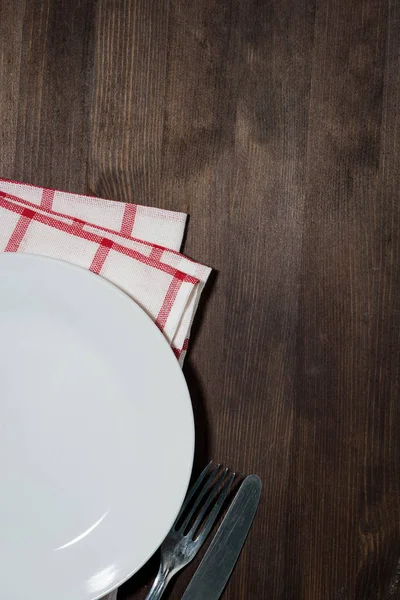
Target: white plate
96, 433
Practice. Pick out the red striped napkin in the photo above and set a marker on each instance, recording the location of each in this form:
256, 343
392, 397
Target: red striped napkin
134, 247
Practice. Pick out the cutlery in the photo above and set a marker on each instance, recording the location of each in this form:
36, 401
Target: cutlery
193, 524
212, 575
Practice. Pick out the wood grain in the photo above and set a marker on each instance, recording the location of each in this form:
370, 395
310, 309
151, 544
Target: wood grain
275, 125
51, 69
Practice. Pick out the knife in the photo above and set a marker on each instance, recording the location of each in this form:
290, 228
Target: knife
213, 573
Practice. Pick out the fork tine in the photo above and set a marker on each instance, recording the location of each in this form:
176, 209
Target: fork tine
193, 491
217, 487
206, 487
224, 490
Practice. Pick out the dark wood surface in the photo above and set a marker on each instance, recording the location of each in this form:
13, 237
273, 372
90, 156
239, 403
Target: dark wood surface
275, 125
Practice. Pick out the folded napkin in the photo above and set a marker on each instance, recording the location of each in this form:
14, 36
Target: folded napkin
134, 247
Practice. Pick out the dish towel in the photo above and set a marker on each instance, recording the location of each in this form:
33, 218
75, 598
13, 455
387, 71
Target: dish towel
134, 247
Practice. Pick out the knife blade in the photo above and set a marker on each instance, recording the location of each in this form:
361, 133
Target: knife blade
213, 573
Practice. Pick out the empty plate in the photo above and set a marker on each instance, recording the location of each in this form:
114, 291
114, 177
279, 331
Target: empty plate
96, 433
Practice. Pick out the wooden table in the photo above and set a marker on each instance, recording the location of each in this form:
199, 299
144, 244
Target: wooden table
275, 125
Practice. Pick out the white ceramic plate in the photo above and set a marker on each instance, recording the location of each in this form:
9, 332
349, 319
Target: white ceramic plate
96, 433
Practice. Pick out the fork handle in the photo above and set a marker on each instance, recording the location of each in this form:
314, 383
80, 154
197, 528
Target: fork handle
160, 583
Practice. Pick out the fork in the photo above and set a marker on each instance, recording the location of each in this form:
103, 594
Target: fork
182, 544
